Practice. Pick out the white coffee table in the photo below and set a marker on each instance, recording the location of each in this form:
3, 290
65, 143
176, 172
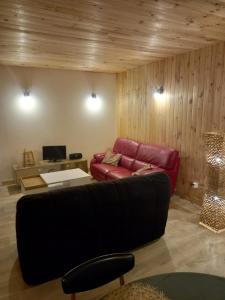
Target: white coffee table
61, 179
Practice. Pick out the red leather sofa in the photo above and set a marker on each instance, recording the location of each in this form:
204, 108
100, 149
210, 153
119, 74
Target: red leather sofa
135, 156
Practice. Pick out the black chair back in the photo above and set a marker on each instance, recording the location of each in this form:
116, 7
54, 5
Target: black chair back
97, 272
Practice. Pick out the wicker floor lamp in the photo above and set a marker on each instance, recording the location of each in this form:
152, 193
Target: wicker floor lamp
213, 210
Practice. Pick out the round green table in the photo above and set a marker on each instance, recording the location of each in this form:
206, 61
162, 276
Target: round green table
175, 286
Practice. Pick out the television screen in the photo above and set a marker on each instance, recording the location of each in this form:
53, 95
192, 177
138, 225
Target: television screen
54, 153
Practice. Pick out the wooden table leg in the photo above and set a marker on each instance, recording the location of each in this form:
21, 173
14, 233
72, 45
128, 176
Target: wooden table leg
122, 282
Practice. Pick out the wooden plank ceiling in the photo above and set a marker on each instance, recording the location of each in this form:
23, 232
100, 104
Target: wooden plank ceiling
105, 35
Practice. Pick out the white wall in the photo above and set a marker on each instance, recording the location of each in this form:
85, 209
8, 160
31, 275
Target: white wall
60, 115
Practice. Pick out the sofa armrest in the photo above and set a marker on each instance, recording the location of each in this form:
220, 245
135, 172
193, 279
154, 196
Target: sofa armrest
99, 157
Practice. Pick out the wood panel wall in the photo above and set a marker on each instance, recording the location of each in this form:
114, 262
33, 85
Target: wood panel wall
193, 103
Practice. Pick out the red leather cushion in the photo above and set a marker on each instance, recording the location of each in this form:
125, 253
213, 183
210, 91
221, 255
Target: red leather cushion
119, 173
126, 147
126, 162
155, 170
160, 156
103, 168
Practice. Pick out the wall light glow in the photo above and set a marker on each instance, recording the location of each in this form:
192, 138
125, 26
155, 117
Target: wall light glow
94, 103
158, 96
26, 102
159, 93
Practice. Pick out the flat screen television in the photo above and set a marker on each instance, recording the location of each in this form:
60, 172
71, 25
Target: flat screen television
54, 153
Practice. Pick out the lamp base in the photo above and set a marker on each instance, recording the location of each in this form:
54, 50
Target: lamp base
212, 229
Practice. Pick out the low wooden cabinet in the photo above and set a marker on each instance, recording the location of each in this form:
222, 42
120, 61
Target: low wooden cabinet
45, 167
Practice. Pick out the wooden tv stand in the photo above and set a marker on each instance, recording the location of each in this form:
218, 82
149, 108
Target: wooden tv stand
45, 167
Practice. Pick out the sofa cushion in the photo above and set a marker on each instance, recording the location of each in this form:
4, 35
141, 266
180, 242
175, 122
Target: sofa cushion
126, 147
140, 164
119, 173
139, 171
103, 168
111, 158
126, 162
160, 156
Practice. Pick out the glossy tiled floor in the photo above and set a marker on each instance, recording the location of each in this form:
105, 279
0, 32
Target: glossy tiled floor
185, 247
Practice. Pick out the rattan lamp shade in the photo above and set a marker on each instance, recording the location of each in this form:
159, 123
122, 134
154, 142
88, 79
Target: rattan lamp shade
213, 210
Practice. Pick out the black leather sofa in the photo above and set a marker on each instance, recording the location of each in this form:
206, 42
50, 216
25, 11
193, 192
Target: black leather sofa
60, 229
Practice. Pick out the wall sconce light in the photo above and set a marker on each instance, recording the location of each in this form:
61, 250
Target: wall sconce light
26, 102
159, 90
26, 93
158, 93
93, 95
94, 103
